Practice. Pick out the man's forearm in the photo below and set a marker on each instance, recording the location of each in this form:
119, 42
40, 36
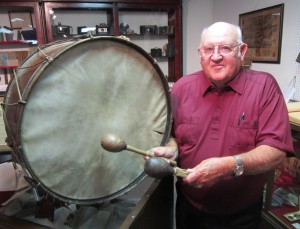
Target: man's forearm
261, 159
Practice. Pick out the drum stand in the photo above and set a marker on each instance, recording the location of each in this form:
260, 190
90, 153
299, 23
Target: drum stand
46, 204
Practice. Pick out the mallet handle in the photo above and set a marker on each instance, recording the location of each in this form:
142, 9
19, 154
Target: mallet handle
181, 172
148, 154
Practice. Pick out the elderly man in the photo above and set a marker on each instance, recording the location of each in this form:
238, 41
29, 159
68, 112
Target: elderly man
230, 128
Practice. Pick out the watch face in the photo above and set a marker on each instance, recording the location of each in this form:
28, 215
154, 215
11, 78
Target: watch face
239, 170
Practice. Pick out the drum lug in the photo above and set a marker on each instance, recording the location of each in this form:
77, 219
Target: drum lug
22, 101
31, 181
49, 58
83, 36
124, 38
9, 142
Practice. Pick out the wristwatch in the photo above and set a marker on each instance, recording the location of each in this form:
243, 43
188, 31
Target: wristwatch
239, 169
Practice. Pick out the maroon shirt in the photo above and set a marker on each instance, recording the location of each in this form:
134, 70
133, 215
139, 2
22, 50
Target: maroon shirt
250, 111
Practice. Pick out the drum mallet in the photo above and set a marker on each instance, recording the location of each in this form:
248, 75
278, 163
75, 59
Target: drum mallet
159, 168
113, 143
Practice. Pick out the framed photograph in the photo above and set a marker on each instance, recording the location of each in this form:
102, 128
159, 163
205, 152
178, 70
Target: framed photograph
262, 31
20, 19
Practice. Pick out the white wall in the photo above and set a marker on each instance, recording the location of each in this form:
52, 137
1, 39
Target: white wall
198, 14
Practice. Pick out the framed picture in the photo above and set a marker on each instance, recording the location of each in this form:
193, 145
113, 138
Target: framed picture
262, 31
20, 19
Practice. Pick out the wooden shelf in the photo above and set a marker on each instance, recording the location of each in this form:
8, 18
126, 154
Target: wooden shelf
4, 45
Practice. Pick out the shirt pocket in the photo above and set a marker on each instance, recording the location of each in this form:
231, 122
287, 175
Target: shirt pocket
187, 131
243, 134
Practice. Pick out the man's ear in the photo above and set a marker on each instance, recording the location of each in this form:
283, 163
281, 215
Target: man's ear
243, 50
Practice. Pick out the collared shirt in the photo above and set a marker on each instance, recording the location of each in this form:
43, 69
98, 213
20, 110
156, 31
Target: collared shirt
249, 111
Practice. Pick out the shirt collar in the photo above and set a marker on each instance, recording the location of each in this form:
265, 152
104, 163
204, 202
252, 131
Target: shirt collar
237, 84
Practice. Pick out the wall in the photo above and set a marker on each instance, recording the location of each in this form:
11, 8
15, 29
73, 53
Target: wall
195, 16
207, 12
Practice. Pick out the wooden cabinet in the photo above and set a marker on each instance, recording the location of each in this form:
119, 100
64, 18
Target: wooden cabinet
56, 20
33, 7
12, 54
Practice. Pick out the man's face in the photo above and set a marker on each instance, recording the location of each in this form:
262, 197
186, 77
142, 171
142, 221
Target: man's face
221, 56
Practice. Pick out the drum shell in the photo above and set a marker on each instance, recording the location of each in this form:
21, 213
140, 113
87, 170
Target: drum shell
28, 79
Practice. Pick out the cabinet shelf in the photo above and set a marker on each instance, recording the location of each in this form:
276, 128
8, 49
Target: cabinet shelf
147, 36
161, 58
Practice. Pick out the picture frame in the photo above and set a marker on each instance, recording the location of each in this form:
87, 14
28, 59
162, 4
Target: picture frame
262, 32
20, 19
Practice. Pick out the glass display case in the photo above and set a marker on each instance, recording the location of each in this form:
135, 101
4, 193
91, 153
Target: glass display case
23, 19
66, 20
156, 27
282, 206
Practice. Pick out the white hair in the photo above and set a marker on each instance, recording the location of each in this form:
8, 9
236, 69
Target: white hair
217, 25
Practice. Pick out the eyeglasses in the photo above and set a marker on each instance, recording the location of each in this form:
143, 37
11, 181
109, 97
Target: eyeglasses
223, 49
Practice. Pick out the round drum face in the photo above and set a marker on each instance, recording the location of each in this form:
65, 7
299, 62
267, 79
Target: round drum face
91, 89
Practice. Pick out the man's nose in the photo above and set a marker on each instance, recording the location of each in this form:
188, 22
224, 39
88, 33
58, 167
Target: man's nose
216, 54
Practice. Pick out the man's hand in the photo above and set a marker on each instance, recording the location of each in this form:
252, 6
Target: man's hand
259, 160
210, 171
168, 151
165, 151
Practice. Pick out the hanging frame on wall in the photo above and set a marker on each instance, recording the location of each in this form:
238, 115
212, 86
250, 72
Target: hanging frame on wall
262, 31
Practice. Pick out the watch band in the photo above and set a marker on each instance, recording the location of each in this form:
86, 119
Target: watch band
239, 169
238, 160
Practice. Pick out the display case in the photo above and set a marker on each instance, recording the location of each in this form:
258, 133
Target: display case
153, 25
16, 11
12, 54
62, 19
282, 206
156, 28
20, 29
148, 206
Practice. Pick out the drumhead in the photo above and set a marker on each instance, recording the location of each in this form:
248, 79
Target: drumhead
90, 88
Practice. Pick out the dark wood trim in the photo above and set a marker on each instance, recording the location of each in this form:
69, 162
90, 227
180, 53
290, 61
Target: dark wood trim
10, 222
175, 2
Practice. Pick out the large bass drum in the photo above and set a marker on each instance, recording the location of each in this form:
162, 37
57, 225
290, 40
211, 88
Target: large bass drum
66, 96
